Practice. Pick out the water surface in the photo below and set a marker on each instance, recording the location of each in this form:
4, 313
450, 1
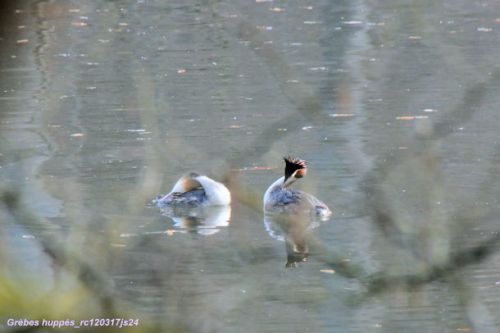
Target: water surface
105, 104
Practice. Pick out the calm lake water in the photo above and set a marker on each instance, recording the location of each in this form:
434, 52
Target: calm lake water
104, 104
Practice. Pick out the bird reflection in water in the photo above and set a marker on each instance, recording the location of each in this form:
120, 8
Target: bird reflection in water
202, 220
294, 230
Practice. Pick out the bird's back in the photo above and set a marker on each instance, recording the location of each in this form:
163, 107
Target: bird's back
291, 201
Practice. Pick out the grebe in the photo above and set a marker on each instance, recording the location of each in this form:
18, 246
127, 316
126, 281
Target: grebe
280, 198
194, 190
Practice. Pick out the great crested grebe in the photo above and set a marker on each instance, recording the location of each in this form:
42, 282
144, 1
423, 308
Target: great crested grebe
280, 198
194, 190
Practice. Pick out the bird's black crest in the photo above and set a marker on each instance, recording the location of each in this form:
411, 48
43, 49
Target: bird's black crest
293, 164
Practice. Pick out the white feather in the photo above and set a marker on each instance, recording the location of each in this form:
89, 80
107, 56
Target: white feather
217, 193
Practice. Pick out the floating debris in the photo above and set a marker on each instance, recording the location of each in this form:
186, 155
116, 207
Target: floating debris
254, 168
341, 115
484, 29
169, 232
264, 27
327, 271
307, 128
411, 117
79, 24
135, 130
277, 9
463, 329
77, 135
352, 22
181, 71
319, 68
22, 41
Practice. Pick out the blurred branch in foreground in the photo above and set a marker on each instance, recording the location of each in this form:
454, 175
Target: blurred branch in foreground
92, 279
377, 283
416, 171
98, 288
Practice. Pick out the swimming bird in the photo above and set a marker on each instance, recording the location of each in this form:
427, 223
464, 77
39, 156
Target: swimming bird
194, 190
282, 199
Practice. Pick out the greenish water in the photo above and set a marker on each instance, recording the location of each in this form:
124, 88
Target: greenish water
104, 104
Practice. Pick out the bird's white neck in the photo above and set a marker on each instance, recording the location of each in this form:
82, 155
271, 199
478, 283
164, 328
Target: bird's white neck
277, 184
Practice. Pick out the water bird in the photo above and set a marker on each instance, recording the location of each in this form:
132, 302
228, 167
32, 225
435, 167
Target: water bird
282, 199
194, 190
290, 215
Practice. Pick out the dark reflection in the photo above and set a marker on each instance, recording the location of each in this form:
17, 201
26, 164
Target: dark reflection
203, 220
294, 230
